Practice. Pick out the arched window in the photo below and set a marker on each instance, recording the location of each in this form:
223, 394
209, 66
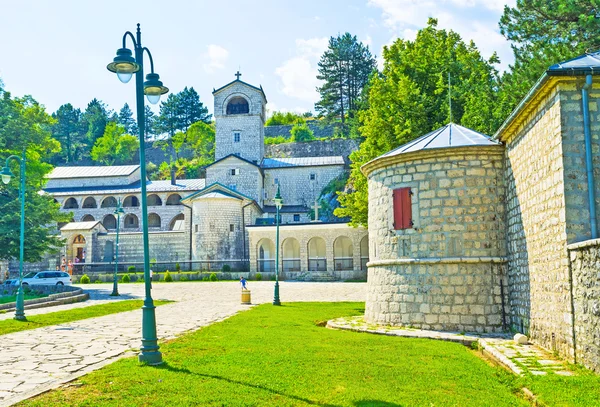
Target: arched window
291, 254
71, 203
364, 252
265, 255
89, 203
131, 222
109, 222
177, 223
154, 200
317, 260
131, 201
88, 218
238, 105
174, 199
153, 220
109, 202
342, 253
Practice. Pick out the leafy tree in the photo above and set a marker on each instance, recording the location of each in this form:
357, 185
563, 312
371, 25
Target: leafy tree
115, 146
24, 125
301, 133
150, 121
543, 33
168, 119
126, 120
95, 118
345, 67
410, 98
284, 118
69, 131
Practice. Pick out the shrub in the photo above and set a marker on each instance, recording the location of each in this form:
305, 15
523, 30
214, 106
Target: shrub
98, 281
84, 279
141, 279
131, 269
184, 278
226, 268
277, 140
213, 277
258, 276
177, 267
301, 133
206, 278
126, 279
168, 277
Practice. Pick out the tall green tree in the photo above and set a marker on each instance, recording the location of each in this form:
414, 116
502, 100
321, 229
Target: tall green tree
150, 123
115, 146
543, 33
191, 109
95, 118
68, 129
24, 125
168, 117
126, 120
410, 98
345, 68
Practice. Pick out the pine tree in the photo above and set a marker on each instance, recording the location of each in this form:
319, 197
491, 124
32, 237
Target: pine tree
69, 131
126, 120
150, 123
191, 109
95, 118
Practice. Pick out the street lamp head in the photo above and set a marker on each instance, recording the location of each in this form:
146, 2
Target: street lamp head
278, 200
119, 211
124, 65
6, 175
153, 88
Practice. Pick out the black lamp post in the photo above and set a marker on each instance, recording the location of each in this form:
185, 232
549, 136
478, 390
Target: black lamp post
278, 203
125, 65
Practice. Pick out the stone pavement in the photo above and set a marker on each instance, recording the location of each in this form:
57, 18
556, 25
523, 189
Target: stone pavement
520, 359
37, 360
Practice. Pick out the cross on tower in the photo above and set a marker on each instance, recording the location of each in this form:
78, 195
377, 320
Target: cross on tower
238, 74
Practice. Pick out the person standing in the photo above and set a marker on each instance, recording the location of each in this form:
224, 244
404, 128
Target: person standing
243, 283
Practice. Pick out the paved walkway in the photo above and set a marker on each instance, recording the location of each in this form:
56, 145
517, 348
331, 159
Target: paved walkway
37, 360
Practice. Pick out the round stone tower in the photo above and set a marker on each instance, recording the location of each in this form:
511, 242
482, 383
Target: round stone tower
436, 231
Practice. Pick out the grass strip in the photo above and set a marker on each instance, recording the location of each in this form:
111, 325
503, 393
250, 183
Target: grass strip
8, 326
283, 356
13, 298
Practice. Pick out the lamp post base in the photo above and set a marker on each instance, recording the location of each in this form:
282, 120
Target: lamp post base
149, 353
115, 291
276, 296
20, 306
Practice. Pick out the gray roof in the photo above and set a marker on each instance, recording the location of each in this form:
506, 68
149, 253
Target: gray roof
217, 194
301, 161
92, 172
581, 65
451, 135
80, 225
286, 209
182, 185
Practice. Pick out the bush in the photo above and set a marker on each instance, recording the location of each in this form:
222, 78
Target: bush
226, 268
258, 276
277, 140
206, 278
168, 277
126, 279
184, 278
84, 279
177, 267
131, 269
98, 281
302, 133
140, 279
213, 277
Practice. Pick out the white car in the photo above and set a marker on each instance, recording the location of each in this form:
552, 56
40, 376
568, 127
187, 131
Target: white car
43, 278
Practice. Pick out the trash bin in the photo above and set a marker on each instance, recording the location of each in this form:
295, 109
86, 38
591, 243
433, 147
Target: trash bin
246, 297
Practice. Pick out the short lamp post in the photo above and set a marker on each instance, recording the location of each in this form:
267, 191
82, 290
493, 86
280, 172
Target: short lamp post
278, 203
118, 211
125, 65
6, 176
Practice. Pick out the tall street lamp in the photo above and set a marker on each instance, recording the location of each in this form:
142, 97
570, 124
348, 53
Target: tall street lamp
278, 203
119, 211
124, 65
6, 176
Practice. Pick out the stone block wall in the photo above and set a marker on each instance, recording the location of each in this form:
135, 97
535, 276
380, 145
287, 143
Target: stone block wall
249, 180
164, 246
327, 148
94, 181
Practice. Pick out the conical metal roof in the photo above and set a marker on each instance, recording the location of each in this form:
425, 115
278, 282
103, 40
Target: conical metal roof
451, 135
581, 65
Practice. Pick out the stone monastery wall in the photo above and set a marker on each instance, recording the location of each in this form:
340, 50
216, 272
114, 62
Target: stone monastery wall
164, 246
247, 180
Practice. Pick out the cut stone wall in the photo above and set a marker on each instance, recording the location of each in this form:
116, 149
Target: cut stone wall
164, 246
249, 180
327, 148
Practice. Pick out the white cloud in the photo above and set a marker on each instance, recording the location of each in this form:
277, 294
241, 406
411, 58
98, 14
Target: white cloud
216, 56
298, 74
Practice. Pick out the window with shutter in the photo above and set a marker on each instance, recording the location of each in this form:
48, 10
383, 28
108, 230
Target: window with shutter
402, 209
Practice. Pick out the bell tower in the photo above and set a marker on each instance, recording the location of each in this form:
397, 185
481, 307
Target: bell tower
240, 119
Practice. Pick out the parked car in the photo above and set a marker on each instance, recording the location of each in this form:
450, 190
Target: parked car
43, 278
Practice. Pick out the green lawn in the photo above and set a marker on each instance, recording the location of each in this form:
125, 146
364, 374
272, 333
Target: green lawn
54, 318
13, 298
283, 356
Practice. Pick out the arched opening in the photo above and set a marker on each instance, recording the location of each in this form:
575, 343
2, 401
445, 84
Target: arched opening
89, 203
290, 250
342, 253
238, 105
177, 223
109, 202
71, 203
109, 222
153, 220
174, 199
131, 201
88, 218
364, 252
154, 200
78, 250
265, 255
317, 258
131, 221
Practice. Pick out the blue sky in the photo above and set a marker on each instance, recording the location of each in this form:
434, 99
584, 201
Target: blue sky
58, 50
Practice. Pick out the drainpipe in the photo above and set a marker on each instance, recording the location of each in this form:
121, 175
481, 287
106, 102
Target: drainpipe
588, 154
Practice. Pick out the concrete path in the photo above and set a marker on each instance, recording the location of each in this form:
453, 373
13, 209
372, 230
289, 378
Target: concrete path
37, 360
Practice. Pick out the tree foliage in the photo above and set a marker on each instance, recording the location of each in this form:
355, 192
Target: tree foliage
70, 132
180, 111
410, 99
301, 133
284, 118
115, 146
345, 68
95, 118
126, 120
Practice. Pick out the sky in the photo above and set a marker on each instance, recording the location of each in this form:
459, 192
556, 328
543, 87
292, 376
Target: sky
57, 51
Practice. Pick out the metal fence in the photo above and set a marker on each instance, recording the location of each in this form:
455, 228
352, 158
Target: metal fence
343, 263
266, 266
291, 265
317, 264
194, 265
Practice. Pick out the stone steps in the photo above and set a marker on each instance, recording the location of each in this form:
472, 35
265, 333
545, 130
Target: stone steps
50, 301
